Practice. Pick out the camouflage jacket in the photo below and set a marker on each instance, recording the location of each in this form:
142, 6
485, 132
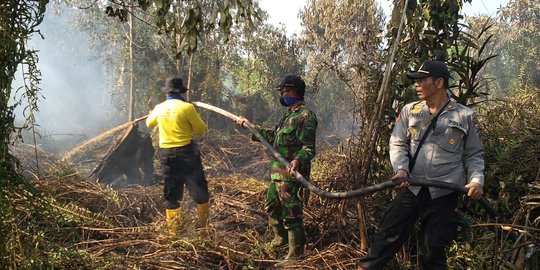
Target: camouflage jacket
294, 138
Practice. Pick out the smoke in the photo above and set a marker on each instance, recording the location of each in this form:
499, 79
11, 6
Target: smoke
76, 103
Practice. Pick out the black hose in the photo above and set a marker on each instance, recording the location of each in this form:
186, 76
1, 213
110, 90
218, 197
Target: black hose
352, 193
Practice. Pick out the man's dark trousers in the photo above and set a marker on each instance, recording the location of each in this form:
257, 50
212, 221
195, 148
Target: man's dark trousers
438, 228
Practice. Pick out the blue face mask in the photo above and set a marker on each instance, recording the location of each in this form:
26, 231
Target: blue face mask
288, 101
172, 95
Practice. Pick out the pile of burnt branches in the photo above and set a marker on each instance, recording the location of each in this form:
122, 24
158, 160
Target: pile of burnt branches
88, 154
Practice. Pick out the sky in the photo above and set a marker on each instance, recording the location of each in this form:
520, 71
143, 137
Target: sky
286, 11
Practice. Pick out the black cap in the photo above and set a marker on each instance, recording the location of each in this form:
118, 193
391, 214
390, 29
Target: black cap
295, 82
175, 85
430, 68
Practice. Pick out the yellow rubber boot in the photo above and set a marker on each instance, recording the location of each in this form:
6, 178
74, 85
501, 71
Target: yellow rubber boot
173, 219
202, 211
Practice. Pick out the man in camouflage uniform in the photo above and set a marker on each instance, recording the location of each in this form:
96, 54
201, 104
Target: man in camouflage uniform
294, 138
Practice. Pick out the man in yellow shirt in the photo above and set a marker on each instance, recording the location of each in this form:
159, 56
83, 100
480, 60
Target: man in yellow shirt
178, 122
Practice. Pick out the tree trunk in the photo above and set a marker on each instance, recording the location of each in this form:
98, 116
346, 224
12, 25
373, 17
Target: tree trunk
188, 94
361, 209
131, 113
371, 135
179, 56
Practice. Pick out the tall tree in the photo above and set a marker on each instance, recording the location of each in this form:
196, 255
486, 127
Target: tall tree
19, 21
520, 53
342, 38
263, 56
515, 42
163, 33
432, 27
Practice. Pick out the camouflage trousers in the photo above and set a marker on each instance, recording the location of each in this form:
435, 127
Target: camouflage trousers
284, 203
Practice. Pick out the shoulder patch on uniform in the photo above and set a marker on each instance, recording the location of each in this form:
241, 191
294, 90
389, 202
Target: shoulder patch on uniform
416, 108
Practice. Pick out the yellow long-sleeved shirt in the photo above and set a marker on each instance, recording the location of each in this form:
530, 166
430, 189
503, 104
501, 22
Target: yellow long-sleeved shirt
177, 122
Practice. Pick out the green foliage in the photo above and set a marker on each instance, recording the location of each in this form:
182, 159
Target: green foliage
329, 165
466, 255
68, 258
510, 135
258, 62
36, 233
509, 126
433, 31
432, 27
162, 32
510, 132
45, 233
188, 20
18, 22
468, 61
516, 43
43, 227
532, 202
342, 47
30, 227
520, 23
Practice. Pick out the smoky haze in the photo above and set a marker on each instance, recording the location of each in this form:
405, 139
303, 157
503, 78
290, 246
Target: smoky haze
77, 101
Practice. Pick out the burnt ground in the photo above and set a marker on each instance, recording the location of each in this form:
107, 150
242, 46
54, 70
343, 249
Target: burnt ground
124, 228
